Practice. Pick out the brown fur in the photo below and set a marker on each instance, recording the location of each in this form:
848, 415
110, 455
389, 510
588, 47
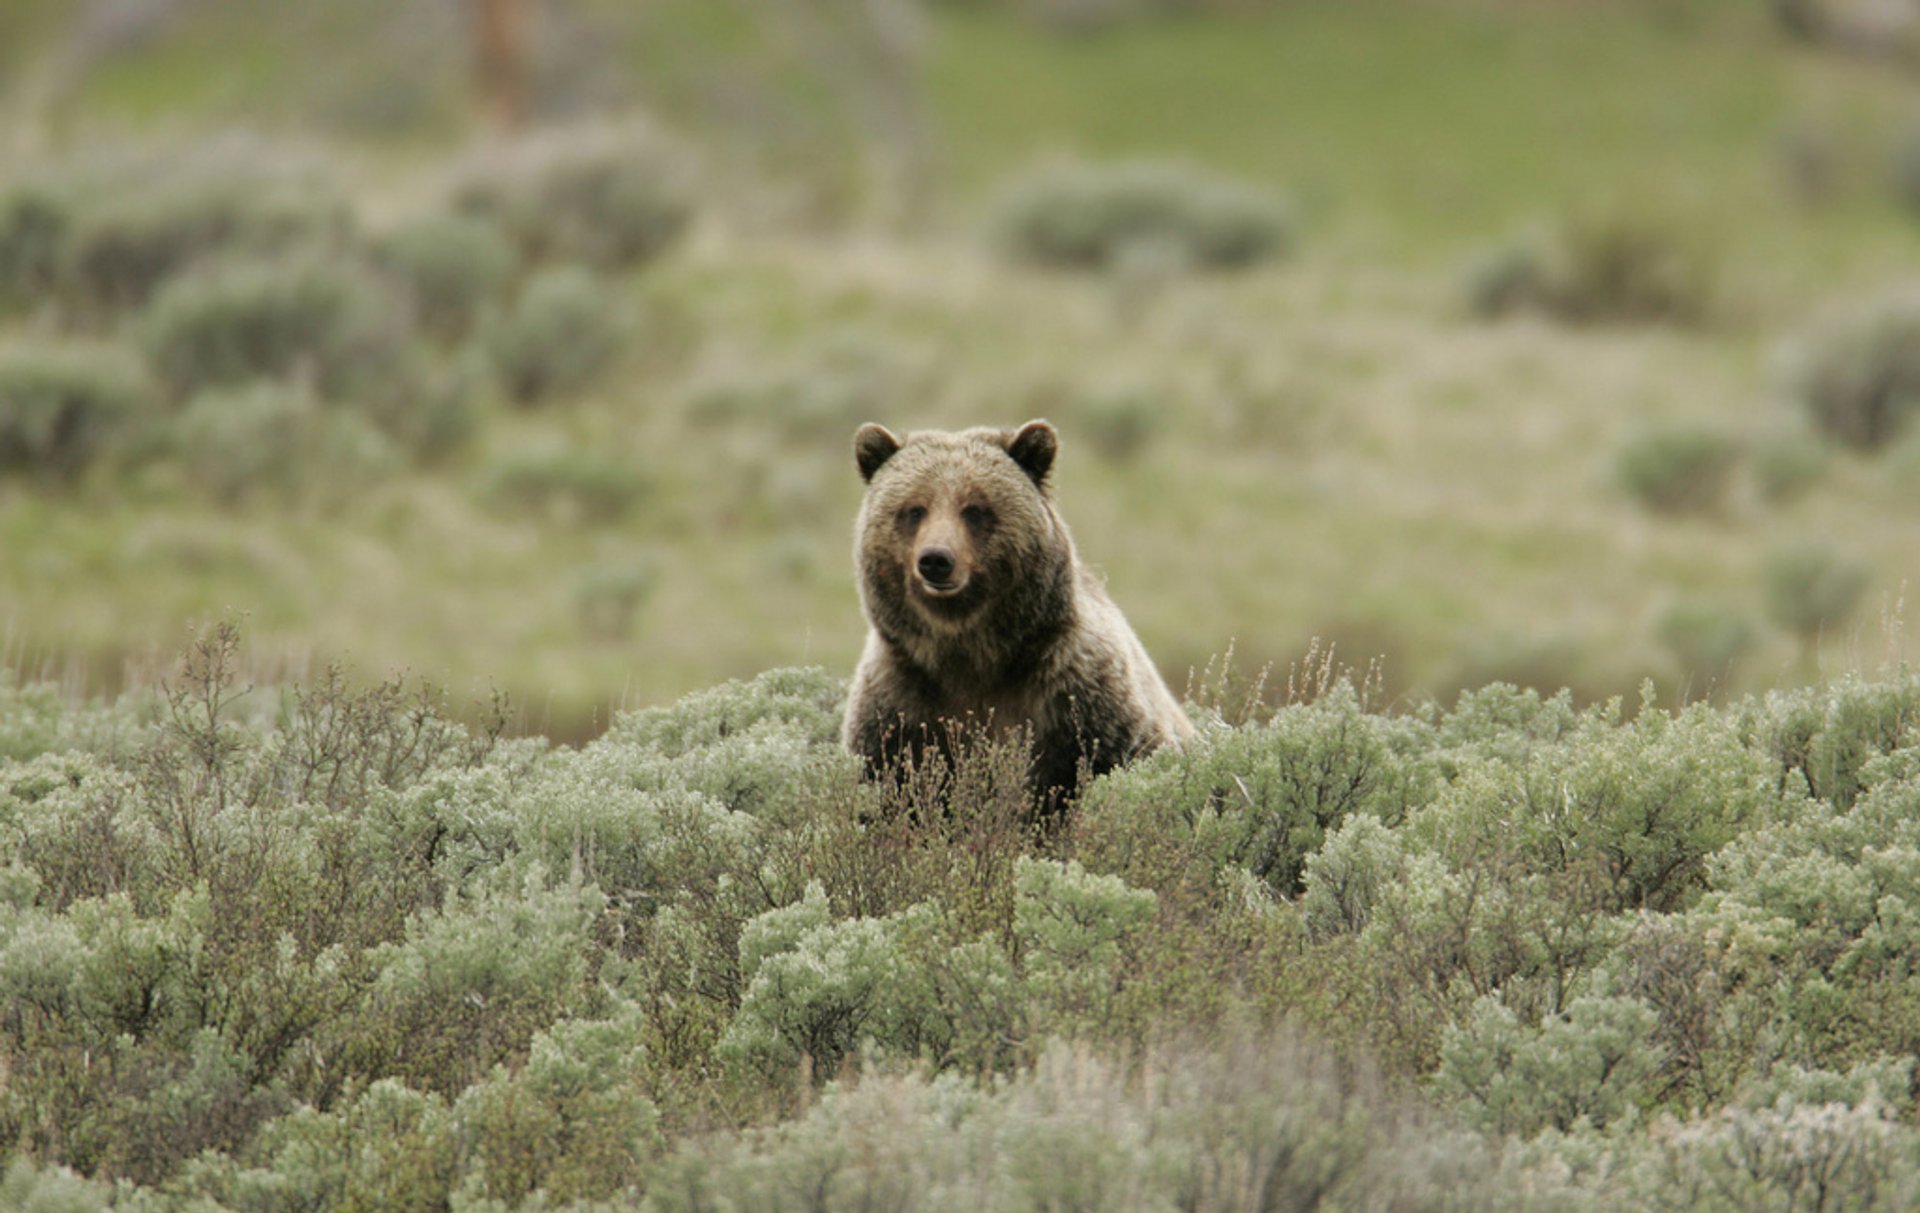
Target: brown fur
1011, 631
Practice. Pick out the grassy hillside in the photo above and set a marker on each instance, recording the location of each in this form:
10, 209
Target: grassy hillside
1332, 444
312, 947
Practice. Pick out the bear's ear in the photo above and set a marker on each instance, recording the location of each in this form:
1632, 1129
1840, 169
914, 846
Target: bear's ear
873, 445
1033, 447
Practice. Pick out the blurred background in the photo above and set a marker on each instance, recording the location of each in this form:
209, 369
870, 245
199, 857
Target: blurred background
518, 344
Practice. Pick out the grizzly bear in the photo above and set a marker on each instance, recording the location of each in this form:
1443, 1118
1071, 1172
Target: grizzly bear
982, 616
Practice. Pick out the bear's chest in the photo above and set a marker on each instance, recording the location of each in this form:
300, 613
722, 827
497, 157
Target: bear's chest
1000, 711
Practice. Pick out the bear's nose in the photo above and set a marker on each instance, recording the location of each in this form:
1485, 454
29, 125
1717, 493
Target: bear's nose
936, 565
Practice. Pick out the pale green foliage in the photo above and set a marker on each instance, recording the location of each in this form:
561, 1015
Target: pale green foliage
1594, 1066
1826, 741
334, 321
64, 405
609, 198
1806, 1156
1643, 804
35, 1189
1677, 471
781, 929
36, 718
1507, 723
1264, 796
1074, 929
1857, 371
1347, 874
1237, 1125
1810, 589
75, 822
573, 1122
39, 963
275, 440
470, 984
834, 987
1099, 216
801, 703
1885, 1083
557, 336
388, 1148
454, 265
1597, 267
323, 949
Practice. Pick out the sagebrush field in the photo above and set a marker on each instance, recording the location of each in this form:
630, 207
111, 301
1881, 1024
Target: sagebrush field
317, 948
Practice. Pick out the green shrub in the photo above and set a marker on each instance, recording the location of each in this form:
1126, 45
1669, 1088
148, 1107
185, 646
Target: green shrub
821, 392
456, 266
1510, 278
1785, 468
601, 198
571, 1123
123, 248
1820, 1156
1857, 371
565, 486
1119, 425
386, 1148
1093, 216
1510, 723
1677, 471
1346, 875
1244, 1123
49, 1189
470, 985
1261, 797
442, 409
65, 405
819, 990
1645, 803
34, 223
275, 440
1706, 639
321, 948
608, 595
333, 324
1829, 742
801, 703
97, 233
1072, 929
558, 336
1623, 267
40, 718
1593, 1066
1810, 590
1603, 267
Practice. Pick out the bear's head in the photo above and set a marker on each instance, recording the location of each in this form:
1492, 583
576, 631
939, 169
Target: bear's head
957, 529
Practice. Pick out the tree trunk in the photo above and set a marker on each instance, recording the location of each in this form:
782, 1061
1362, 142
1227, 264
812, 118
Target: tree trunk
500, 60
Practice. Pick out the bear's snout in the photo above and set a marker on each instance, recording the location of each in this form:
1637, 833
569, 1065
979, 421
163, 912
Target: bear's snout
936, 566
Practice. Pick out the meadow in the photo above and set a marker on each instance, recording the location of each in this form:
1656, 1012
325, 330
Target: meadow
425, 602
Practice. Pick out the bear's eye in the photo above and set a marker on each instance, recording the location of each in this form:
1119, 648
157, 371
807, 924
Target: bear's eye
913, 516
977, 517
